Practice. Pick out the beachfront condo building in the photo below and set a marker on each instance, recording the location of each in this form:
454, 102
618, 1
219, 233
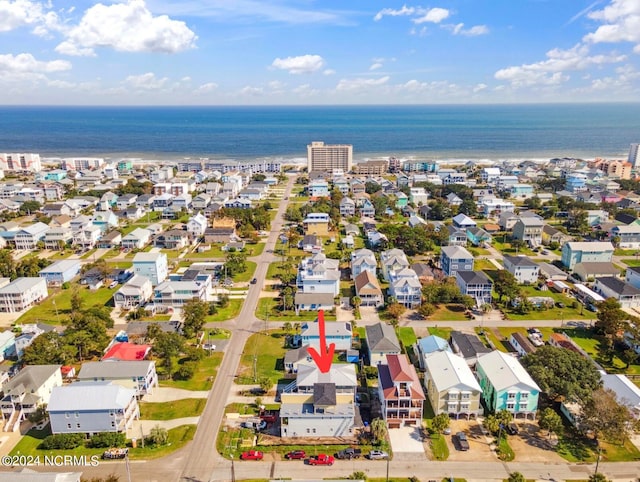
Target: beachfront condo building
326, 157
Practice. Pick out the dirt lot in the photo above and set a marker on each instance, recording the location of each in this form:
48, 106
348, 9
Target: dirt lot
531, 444
478, 443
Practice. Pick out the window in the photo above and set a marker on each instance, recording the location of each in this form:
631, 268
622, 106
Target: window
314, 430
67, 414
522, 407
77, 425
308, 431
69, 426
465, 396
511, 406
77, 414
511, 395
524, 396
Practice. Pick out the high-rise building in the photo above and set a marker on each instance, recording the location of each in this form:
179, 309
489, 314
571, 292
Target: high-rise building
633, 154
20, 162
326, 157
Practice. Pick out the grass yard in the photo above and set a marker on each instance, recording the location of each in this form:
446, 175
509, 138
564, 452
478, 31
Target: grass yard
57, 306
228, 312
633, 262
449, 312
407, 336
120, 264
204, 376
269, 308
442, 332
477, 251
481, 264
567, 313
269, 349
439, 448
590, 343
178, 437
248, 274
188, 407
505, 452
626, 252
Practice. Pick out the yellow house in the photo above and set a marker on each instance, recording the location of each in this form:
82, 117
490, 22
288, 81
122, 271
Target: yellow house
316, 223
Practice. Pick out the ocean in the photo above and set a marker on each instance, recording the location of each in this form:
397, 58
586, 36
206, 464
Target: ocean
441, 132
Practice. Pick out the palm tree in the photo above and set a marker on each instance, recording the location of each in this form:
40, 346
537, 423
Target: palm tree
378, 430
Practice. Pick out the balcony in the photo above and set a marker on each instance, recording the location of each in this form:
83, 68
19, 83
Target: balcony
392, 404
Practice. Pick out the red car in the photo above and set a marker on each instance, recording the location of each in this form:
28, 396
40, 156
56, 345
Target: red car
269, 417
322, 459
252, 455
296, 455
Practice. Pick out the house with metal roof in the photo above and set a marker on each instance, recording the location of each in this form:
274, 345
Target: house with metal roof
21, 294
60, 271
92, 407
139, 375
575, 252
588, 271
28, 237
381, 341
400, 392
627, 393
506, 385
451, 386
429, 345
338, 332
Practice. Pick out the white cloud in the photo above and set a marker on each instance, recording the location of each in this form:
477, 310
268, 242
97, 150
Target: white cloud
360, 83
303, 64
126, 27
21, 13
251, 91
394, 13
474, 31
621, 19
147, 81
419, 32
479, 88
434, 15
376, 66
305, 90
26, 63
206, 88
328, 72
552, 71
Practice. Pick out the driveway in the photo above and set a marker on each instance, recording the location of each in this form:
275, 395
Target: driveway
369, 316
406, 443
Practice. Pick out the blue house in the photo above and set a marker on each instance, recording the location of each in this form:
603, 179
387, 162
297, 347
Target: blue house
454, 259
478, 236
336, 332
576, 182
61, 271
463, 221
56, 175
7, 344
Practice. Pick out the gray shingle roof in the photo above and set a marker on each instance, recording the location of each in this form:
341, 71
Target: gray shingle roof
382, 338
324, 394
111, 370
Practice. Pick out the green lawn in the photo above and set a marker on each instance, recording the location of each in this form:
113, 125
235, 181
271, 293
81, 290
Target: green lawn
626, 252
57, 306
505, 452
228, 312
590, 343
439, 447
188, 407
270, 307
178, 437
633, 262
204, 376
268, 348
248, 274
483, 264
449, 313
407, 336
442, 332
567, 313
120, 264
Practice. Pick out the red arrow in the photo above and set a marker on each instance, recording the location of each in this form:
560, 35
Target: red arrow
325, 357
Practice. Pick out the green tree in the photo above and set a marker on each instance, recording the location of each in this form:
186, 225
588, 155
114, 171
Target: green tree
395, 311
47, 349
611, 318
628, 356
505, 284
378, 430
605, 417
167, 346
426, 310
491, 423
516, 477
30, 207
265, 383
194, 313
7, 264
235, 263
562, 373
440, 422
550, 421
158, 436
468, 207
76, 300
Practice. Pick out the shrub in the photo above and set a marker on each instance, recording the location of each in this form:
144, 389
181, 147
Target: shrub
186, 371
62, 441
106, 440
66, 285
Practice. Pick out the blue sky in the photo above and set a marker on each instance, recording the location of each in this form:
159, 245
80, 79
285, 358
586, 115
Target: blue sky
209, 52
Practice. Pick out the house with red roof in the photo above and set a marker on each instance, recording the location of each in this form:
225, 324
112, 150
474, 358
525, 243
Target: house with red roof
126, 352
400, 392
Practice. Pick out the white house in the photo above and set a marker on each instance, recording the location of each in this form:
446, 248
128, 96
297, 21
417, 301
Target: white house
136, 239
152, 265
522, 268
135, 292
197, 225
363, 260
22, 293
319, 274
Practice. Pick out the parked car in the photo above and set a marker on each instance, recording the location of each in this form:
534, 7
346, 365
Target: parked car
560, 304
269, 417
348, 454
447, 431
462, 441
262, 425
296, 455
512, 429
252, 455
247, 425
113, 284
378, 455
254, 281
322, 459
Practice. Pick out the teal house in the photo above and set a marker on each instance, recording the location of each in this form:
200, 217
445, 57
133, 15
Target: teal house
401, 200
506, 385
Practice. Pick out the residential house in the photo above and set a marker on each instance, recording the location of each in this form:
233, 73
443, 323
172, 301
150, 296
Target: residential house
135, 292
30, 389
125, 351
60, 272
467, 346
475, 284
136, 239
316, 223
597, 216
611, 287
152, 265
7, 346
575, 252
522, 268
21, 294
381, 341
521, 344
490, 174
402, 200
57, 209
348, 242
454, 259
368, 289
521, 191
363, 260
405, 288
347, 207
58, 238
173, 239
456, 236
506, 385
222, 230
478, 237
507, 220
313, 301
139, 375
400, 393
591, 271
625, 391
29, 332
125, 201
201, 201
426, 273
319, 274
310, 243
453, 199
105, 220
336, 332
92, 407
392, 260
375, 239
60, 222
28, 237
366, 209
462, 221
492, 206
418, 196
107, 201
427, 346
626, 237
296, 357
133, 213
632, 276
87, 237
197, 225
176, 293
451, 386
352, 229
553, 235
529, 230
318, 188
111, 240
319, 404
